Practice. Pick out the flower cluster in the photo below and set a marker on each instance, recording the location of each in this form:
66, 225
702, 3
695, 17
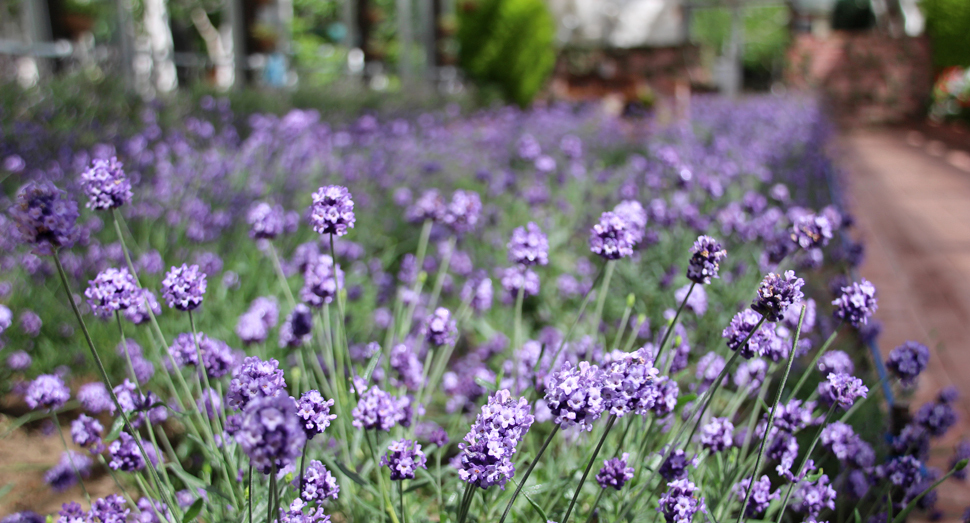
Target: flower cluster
679, 503
776, 294
486, 453
574, 395
271, 433
332, 211
907, 361
811, 231
706, 256
253, 379
611, 237
377, 409
761, 495
45, 217
403, 457
318, 483
297, 329
463, 212
321, 281
47, 391
314, 412
265, 221
528, 246
856, 303
615, 472
183, 287
841, 390
106, 184
440, 329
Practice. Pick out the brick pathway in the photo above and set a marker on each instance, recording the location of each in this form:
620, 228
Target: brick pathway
911, 200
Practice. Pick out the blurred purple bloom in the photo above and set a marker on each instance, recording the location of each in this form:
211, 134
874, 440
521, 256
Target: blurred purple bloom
47, 391
106, 185
615, 472
528, 246
857, 303
706, 256
271, 433
611, 237
45, 217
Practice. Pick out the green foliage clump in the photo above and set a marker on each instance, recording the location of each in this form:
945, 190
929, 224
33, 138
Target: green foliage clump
948, 24
765, 33
509, 43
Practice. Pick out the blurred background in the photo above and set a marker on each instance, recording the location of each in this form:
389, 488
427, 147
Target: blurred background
875, 60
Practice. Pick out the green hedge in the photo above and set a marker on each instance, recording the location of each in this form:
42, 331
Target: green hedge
948, 24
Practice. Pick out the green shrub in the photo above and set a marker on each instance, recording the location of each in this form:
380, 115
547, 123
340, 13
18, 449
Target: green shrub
509, 43
948, 24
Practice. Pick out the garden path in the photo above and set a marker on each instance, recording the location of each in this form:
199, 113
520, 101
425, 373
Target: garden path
911, 200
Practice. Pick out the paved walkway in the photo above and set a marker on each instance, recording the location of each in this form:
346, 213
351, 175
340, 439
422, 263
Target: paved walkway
911, 200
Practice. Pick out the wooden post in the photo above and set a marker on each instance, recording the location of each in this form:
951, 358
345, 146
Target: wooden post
37, 28
237, 24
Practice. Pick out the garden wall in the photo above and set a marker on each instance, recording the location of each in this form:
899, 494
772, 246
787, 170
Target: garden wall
866, 77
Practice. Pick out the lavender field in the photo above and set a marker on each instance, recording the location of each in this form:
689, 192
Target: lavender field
500, 315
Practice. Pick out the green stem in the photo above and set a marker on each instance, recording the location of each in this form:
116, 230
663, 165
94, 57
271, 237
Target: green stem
517, 336
284, 283
626, 317
771, 416
673, 323
70, 456
601, 299
589, 466
528, 471
104, 373
596, 502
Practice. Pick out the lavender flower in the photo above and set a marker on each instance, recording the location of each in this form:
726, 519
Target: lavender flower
478, 293
630, 384
679, 504
377, 409
19, 361
318, 483
751, 374
110, 509
403, 457
110, 291
297, 328
717, 435
841, 389
95, 399
907, 361
63, 476
429, 206
332, 211
761, 495
29, 516
271, 433
675, 467
936, 417
811, 231
265, 221
902, 471
794, 416
298, 513
407, 366
520, 278
961, 452
486, 454
836, 361
210, 403
813, 498
463, 212
45, 217
696, 302
611, 237
106, 185
433, 434
706, 256
528, 246
153, 511
254, 379
776, 294
439, 329
217, 357
127, 457
741, 328
315, 413
47, 391
86, 433
183, 287
857, 303
321, 281
574, 395
30, 323
70, 512
635, 216
615, 472
143, 305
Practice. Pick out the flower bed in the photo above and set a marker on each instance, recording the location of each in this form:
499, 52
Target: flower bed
455, 318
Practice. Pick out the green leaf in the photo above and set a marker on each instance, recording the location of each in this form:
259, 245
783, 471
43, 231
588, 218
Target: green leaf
193, 511
350, 474
116, 429
857, 516
684, 399
542, 513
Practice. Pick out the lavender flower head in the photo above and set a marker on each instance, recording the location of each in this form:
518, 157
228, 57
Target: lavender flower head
611, 237
486, 454
706, 256
615, 472
71, 512
528, 246
143, 305
857, 303
761, 495
106, 185
961, 452
439, 329
265, 221
675, 467
463, 212
478, 292
717, 435
520, 278
183, 287
109, 509
332, 211
679, 504
377, 409
318, 483
297, 328
776, 294
574, 395
299, 513
45, 217
86, 433
630, 384
741, 328
907, 361
254, 379
321, 281
271, 433
110, 291
19, 361
127, 457
47, 391
811, 231
635, 216
429, 206
936, 417
315, 412
841, 389
813, 498
63, 475
95, 399
403, 458
836, 361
